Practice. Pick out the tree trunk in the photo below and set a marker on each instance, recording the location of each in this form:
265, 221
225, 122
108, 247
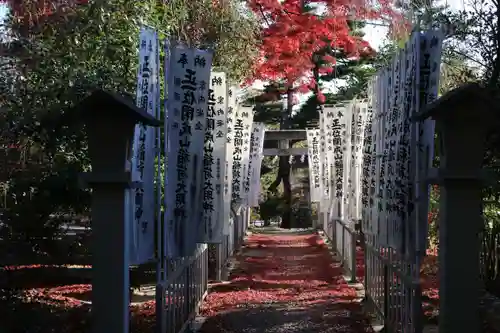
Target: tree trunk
285, 167
316, 85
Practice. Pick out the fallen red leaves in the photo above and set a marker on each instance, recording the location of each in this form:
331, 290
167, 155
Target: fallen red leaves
59, 295
44, 276
292, 272
279, 275
360, 263
60, 307
36, 266
429, 280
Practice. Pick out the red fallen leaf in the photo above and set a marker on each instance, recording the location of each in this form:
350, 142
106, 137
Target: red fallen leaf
71, 289
296, 271
71, 315
34, 266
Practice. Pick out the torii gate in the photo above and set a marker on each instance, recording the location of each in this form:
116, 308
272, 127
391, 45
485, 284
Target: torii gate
283, 137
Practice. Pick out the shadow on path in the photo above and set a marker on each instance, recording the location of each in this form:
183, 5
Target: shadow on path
284, 283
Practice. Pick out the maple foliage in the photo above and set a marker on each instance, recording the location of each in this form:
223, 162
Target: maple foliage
31, 11
291, 36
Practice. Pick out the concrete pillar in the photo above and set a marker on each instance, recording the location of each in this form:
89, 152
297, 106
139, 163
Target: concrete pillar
110, 121
248, 219
241, 227
236, 210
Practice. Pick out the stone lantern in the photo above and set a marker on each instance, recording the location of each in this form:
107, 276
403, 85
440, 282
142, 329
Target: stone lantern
110, 120
463, 118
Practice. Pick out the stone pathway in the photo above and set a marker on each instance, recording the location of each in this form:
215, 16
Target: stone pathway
284, 282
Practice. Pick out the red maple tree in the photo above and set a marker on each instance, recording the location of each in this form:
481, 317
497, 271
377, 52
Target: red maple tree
31, 11
292, 35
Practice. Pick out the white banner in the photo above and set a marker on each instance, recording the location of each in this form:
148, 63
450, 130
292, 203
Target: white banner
369, 163
241, 154
325, 174
328, 118
142, 200
342, 165
228, 175
256, 175
255, 162
431, 43
392, 222
169, 246
247, 176
378, 173
188, 84
360, 115
404, 220
315, 164
247, 116
214, 160
399, 151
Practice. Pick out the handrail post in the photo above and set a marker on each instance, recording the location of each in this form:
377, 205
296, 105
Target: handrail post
418, 314
387, 291
343, 240
353, 256
219, 263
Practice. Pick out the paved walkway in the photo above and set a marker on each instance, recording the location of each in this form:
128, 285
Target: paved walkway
284, 282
